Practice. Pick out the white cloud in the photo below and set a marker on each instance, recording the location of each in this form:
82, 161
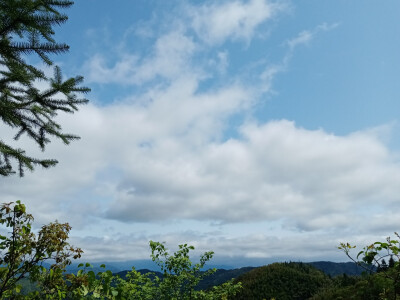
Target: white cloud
305, 36
236, 20
276, 171
169, 58
174, 166
302, 38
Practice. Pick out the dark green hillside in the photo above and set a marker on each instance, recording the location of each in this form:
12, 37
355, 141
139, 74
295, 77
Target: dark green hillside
281, 281
221, 276
151, 274
364, 287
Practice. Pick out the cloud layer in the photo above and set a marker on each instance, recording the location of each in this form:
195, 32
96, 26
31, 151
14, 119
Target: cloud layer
166, 153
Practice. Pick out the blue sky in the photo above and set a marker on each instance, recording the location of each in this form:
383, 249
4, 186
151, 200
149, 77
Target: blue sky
263, 130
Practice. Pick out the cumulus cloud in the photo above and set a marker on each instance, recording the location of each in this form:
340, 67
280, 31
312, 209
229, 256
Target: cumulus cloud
275, 170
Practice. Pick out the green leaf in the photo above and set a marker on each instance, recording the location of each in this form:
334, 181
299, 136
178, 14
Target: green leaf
18, 288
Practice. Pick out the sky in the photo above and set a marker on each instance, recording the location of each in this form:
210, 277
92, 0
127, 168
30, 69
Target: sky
262, 130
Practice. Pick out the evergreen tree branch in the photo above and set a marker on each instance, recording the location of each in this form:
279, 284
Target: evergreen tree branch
24, 107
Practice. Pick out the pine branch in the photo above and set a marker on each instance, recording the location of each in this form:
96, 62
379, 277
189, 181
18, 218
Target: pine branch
28, 48
24, 107
23, 161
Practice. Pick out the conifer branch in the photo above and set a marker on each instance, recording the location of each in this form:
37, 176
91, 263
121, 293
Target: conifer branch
23, 107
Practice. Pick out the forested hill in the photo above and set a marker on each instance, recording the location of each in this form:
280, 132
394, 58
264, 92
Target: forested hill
281, 281
299, 281
329, 268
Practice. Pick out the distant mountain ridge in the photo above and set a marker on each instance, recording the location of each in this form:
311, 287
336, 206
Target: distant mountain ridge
330, 268
144, 264
334, 269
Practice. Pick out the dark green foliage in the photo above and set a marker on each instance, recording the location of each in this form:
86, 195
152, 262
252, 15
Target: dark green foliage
152, 274
26, 27
281, 281
221, 276
391, 262
365, 287
382, 266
